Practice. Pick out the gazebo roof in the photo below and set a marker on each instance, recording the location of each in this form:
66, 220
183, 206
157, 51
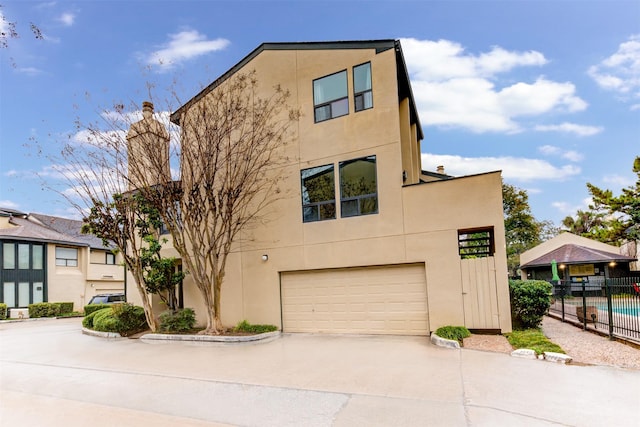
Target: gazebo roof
576, 254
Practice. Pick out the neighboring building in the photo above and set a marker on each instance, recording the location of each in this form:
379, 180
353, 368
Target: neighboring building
47, 259
577, 258
405, 252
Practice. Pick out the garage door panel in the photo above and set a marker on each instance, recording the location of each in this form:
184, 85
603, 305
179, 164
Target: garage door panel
372, 300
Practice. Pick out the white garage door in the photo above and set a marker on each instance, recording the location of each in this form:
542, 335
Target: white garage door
370, 300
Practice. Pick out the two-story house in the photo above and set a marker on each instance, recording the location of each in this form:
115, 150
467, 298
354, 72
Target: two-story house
47, 259
364, 241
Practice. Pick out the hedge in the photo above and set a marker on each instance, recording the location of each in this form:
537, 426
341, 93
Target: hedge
530, 300
3, 311
50, 309
88, 309
180, 321
125, 319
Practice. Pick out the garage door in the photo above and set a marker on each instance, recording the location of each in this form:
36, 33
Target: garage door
371, 300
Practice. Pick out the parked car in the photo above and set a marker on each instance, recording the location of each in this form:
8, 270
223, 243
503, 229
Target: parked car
107, 298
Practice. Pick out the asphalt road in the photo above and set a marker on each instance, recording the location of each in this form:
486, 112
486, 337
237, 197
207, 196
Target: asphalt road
53, 375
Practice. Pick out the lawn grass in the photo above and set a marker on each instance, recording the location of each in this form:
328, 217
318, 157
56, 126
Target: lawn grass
533, 339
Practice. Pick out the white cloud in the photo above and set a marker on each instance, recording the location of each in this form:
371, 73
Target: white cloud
11, 172
29, 71
454, 88
620, 72
8, 204
573, 156
618, 180
183, 46
566, 208
549, 150
67, 19
566, 127
513, 168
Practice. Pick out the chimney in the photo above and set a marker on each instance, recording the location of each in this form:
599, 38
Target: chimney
148, 151
440, 169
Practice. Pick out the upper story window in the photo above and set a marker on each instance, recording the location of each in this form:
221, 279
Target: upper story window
110, 258
318, 193
67, 257
330, 96
476, 243
362, 94
358, 187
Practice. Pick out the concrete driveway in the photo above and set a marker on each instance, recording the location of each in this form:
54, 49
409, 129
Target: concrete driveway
51, 374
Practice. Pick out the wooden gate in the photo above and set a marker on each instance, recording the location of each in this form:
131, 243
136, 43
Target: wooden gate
479, 293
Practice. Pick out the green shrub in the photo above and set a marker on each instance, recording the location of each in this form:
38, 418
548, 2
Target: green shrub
532, 339
44, 309
457, 333
125, 319
105, 321
3, 311
131, 319
246, 327
65, 307
530, 300
180, 321
88, 309
88, 320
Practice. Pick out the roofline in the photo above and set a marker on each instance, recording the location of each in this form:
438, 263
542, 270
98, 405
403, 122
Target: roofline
452, 178
35, 239
378, 45
597, 261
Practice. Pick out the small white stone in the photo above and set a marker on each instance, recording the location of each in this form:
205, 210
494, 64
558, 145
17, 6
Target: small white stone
557, 357
524, 353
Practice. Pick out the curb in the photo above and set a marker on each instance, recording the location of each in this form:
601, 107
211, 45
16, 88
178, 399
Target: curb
217, 339
443, 342
548, 356
99, 334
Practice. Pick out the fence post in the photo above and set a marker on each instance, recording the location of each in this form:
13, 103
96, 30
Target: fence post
584, 307
609, 308
562, 297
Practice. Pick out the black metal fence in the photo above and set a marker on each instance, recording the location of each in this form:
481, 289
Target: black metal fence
611, 306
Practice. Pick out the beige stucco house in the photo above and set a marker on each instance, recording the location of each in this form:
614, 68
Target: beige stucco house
47, 259
404, 252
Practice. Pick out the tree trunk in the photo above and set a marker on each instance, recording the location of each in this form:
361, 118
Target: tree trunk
148, 310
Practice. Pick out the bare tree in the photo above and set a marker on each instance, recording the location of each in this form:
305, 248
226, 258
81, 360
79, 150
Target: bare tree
232, 148
95, 178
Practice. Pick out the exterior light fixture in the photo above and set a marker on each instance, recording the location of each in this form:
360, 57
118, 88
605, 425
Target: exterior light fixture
265, 257
561, 266
612, 264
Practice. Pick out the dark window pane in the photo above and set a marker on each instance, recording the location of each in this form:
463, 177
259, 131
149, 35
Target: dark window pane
323, 113
318, 193
363, 101
358, 187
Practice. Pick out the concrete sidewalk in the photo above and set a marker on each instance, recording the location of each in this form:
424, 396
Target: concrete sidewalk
299, 379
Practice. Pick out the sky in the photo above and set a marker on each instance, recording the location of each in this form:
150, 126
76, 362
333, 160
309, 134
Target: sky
548, 92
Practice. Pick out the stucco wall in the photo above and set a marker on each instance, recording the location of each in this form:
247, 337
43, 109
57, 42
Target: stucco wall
416, 223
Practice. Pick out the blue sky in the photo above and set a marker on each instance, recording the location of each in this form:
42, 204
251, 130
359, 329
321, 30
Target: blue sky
547, 92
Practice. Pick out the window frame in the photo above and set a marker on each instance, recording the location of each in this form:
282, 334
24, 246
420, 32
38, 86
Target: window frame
364, 92
317, 205
331, 102
60, 259
359, 197
487, 246
106, 258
